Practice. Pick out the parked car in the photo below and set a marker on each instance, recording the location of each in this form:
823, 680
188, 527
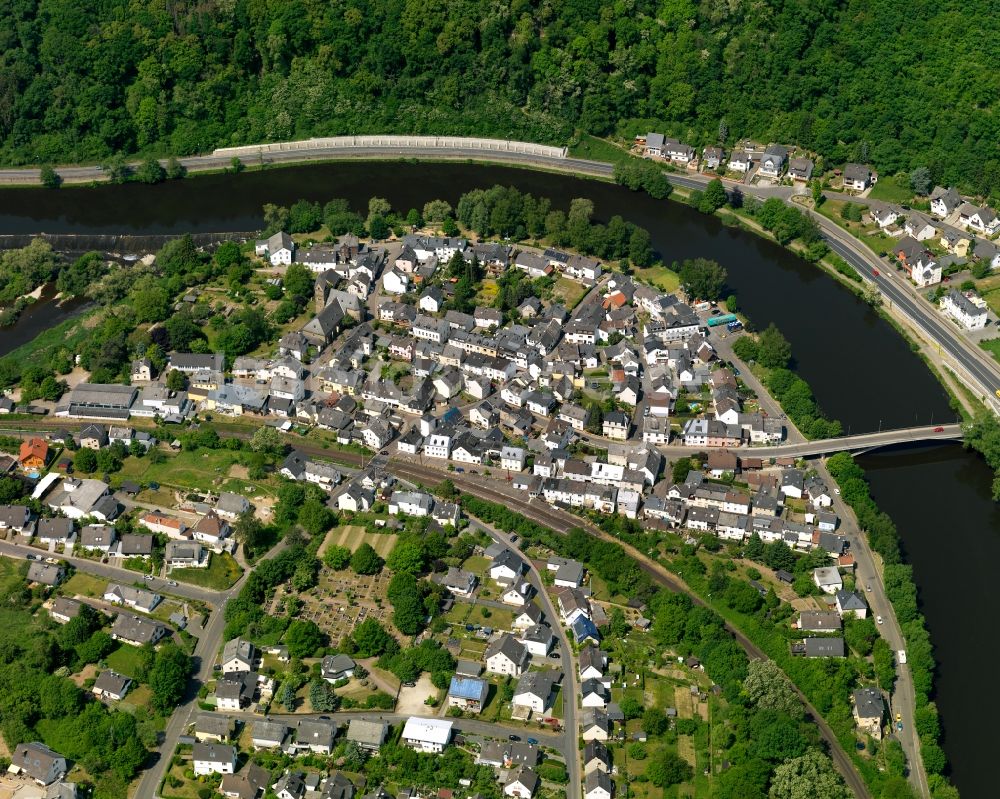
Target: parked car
513, 737
878, 619
533, 741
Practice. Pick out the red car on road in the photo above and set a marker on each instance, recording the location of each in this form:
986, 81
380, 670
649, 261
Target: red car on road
938, 429
875, 272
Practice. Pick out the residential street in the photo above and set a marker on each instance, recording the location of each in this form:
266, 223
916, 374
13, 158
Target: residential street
570, 686
903, 698
561, 521
114, 573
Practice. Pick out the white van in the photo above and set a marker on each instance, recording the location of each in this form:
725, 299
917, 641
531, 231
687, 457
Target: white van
901, 656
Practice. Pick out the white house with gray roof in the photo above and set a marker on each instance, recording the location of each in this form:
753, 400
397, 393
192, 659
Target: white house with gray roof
963, 310
506, 655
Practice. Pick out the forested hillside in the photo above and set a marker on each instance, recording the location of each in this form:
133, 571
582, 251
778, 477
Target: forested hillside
903, 85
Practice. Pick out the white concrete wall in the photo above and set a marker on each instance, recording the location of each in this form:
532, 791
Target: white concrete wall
397, 142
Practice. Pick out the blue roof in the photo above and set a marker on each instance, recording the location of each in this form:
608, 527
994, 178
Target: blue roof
583, 628
468, 688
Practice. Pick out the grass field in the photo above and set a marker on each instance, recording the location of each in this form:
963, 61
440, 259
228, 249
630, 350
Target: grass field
659, 276
84, 585
892, 189
201, 469
352, 536
222, 572
569, 291
478, 565
125, 660
992, 346
597, 150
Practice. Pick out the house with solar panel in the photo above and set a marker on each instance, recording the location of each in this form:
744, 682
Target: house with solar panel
468, 693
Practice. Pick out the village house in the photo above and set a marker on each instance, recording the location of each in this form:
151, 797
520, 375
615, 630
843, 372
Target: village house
982, 220
858, 177
238, 655
869, 711
158, 522
596, 757
800, 169
213, 758
111, 685
739, 162
136, 631
369, 735
334, 668
963, 310
851, 602
213, 728
772, 162
33, 454
315, 735
712, 157
426, 735
944, 201
278, 249
37, 761
62, 609
185, 555
468, 694
131, 597
828, 580
521, 783
597, 785
250, 783
506, 655
534, 690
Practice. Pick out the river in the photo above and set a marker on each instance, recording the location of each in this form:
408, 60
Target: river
952, 540
861, 371
851, 358
38, 317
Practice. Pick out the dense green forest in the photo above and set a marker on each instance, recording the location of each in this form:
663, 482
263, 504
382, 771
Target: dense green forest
854, 79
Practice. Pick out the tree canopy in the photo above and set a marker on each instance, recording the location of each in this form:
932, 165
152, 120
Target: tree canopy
82, 82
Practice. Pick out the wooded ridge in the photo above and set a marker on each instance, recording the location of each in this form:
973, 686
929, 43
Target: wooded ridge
854, 80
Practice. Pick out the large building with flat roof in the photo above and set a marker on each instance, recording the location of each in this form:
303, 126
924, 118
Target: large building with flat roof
99, 401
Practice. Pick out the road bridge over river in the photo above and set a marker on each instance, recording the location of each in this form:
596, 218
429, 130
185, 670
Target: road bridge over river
864, 442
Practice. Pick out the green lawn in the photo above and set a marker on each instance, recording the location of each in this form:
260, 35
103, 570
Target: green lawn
196, 469
992, 346
222, 572
659, 276
892, 189
598, 150
477, 564
84, 585
569, 291
125, 660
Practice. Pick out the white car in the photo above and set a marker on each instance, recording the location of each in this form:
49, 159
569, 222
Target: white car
901, 656
878, 619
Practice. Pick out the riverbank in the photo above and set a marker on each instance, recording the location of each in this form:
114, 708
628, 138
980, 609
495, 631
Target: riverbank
433, 148
962, 397
883, 538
